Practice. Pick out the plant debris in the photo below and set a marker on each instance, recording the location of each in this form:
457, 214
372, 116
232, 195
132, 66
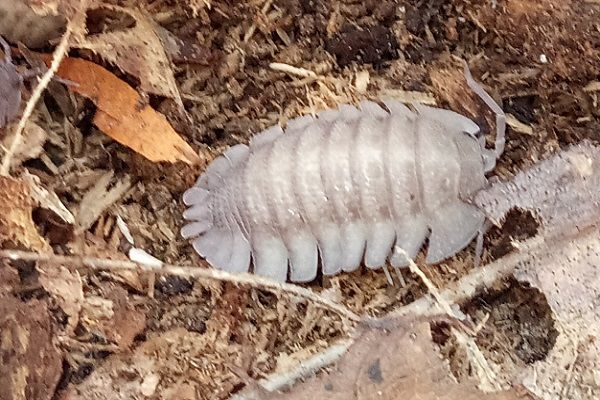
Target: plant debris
399, 362
122, 115
149, 92
137, 50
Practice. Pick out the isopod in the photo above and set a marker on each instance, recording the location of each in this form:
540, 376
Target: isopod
348, 186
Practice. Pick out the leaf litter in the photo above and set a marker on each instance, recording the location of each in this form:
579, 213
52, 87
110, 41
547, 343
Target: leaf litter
122, 115
400, 362
193, 338
138, 51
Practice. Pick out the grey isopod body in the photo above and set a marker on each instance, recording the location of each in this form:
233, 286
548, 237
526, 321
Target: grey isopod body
349, 185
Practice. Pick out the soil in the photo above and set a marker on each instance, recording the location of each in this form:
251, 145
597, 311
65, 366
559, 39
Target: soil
534, 57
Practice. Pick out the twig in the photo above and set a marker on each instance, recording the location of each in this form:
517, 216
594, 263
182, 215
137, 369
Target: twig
487, 377
468, 285
430, 286
97, 264
303, 370
61, 50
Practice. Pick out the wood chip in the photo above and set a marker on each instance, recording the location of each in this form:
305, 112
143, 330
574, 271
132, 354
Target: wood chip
47, 199
361, 81
407, 96
518, 126
593, 86
99, 198
17, 228
291, 70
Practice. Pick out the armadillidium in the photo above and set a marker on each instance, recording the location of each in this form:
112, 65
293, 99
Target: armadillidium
348, 186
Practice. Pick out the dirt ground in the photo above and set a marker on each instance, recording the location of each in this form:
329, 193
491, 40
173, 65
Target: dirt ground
208, 340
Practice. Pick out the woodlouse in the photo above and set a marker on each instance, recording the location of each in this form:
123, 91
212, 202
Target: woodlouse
352, 184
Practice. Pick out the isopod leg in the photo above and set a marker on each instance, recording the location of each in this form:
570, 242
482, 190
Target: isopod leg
479, 243
500, 116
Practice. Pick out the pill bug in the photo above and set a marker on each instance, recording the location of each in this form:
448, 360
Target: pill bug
347, 186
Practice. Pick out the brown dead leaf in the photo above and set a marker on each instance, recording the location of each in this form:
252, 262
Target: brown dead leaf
137, 51
31, 365
17, 229
402, 363
18, 19
122, 114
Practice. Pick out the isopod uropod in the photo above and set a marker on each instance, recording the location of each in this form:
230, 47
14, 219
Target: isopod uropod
348, 185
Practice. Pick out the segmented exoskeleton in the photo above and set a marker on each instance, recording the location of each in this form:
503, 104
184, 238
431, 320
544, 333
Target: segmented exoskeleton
350, 184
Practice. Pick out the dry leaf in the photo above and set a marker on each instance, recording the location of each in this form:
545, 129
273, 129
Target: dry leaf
122, 114
17, 20
563, 192
99, 197
401, 363
550, 190
567, 271
17, 228
137, 51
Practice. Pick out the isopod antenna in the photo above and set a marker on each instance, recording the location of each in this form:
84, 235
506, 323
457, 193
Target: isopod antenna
500, 116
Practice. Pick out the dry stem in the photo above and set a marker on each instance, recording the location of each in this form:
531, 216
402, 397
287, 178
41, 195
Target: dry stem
95, 263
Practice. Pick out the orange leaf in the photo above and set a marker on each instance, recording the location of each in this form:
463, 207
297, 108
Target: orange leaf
122, 114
